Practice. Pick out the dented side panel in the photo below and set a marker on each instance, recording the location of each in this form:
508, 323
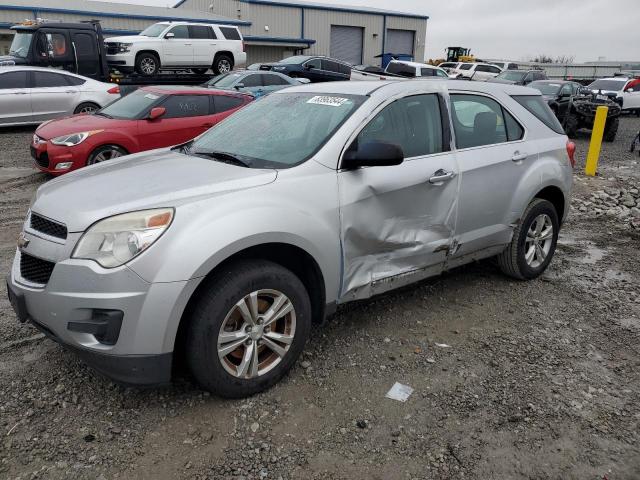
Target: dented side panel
395, 223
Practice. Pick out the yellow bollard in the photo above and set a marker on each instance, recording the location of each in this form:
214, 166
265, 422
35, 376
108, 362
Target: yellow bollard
596, 141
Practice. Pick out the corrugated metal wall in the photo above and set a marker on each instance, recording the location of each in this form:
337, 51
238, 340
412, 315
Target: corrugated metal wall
264, 53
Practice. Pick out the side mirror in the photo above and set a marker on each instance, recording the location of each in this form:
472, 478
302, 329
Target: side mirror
170, 35
565, 94
238, 86
630, 90
308, 66
156, 112
373, 154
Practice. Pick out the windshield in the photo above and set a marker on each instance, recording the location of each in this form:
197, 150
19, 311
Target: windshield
612, 85
20, 45
225, 80
546, 88
280, 130
131, 106
512, 75
294, 59
154, 30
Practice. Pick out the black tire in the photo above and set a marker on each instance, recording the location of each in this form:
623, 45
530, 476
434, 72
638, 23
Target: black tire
611, 129
106, 153
217, 301
86, 107
512, 261
571, 125
199, 71
147, 64
223, 63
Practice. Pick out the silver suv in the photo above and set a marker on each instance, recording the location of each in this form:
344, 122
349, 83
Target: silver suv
228, 247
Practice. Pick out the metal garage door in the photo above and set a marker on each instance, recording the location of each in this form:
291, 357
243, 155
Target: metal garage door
346, 43
399, 41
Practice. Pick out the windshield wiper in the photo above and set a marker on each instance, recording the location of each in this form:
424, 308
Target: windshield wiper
223, 157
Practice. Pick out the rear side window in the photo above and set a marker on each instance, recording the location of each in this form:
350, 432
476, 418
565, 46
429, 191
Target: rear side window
479, 120
540, 109
254, 80
427, 72
222, 103
414, 123
230, 33
180, 106
13, 80
75, 81
401, 69
271, 79
201, 32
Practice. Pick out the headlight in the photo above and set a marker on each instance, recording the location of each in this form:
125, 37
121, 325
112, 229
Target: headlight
124, 47
73, 138
115, 240
278, 68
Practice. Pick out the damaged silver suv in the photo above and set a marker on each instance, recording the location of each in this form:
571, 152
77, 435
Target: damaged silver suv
227, 248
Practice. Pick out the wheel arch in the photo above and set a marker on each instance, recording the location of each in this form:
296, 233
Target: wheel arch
152, 52
228, 53
555, 195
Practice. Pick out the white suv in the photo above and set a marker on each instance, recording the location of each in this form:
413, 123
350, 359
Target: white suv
178, 46
475, 71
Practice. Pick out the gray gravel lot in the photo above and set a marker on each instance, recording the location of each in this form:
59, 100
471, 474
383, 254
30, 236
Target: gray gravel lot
541, 380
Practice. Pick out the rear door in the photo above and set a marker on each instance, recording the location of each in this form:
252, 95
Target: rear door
492, 156
204, 44
186, 117
52, 95
397, 222
86, 54
178, 50
15, 98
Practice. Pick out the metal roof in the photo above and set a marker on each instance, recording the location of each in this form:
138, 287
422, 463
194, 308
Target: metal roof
97, 9
329, 7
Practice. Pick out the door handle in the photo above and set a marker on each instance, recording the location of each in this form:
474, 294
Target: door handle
518, 157
441, 176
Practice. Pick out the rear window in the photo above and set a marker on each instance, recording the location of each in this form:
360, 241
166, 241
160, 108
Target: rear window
540, 109
230, 33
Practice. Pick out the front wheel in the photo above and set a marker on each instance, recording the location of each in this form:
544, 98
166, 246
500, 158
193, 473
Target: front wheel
87, 107
248, 328
147, 64
104, 153
533, 243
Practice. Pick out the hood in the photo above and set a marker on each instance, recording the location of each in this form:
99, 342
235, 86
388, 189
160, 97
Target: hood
158, 178
82, 122
131, 39
9, 60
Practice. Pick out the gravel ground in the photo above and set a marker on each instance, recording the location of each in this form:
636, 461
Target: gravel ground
541, 379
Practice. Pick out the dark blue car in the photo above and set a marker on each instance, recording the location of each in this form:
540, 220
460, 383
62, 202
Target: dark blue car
313, 68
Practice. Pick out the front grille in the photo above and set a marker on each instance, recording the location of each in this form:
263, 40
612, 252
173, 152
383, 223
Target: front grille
44, 225
35, 269
42, 160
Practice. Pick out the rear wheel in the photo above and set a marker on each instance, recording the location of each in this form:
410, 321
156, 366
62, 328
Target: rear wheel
104, 153
248, 328
87, 107
533, 243
611, 129
222, 64
147, 64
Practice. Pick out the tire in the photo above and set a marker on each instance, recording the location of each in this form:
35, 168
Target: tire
222, 64
216, 311
571, 125
106, 153
611, 129
147, 64
86, 107
199, 71
513, 261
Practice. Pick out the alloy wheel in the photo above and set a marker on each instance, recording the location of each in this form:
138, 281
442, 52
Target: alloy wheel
148, 65
224, 66
105, 155
256, 334
538, 241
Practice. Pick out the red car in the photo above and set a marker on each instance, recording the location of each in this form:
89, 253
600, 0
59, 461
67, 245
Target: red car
150, 117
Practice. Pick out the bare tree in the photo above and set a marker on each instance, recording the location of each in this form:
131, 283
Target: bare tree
565, 59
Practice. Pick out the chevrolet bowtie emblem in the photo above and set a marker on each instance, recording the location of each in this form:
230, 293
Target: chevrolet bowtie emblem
23, 241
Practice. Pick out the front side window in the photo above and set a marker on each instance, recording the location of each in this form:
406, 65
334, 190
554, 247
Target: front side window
132, 106
413, 123
180, 31
427, 72
52, 45
479, 120
440, 73
254, 80
566, 89
315, 63
224, 103
540, 109
10, 80
280, 130
21, 44
154, 30
49, 80
180, 106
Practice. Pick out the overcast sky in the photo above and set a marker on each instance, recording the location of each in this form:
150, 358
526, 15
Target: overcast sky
518, 29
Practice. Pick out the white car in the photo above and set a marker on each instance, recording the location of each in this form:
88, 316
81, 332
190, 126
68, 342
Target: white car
450, 66
178, 46
414, 69
627, 91
475, 71
31, 95
506, 65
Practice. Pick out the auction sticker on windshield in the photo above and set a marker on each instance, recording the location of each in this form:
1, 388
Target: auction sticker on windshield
330, 101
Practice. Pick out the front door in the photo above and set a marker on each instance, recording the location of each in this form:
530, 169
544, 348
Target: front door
15, 98
52, 95
397, 222
492, 157
178, 50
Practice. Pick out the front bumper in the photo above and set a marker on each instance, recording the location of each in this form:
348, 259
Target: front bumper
58, 159
70, 308
121, 60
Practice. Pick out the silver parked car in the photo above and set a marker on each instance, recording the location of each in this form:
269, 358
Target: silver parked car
228, 247
257, 83
31, 95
